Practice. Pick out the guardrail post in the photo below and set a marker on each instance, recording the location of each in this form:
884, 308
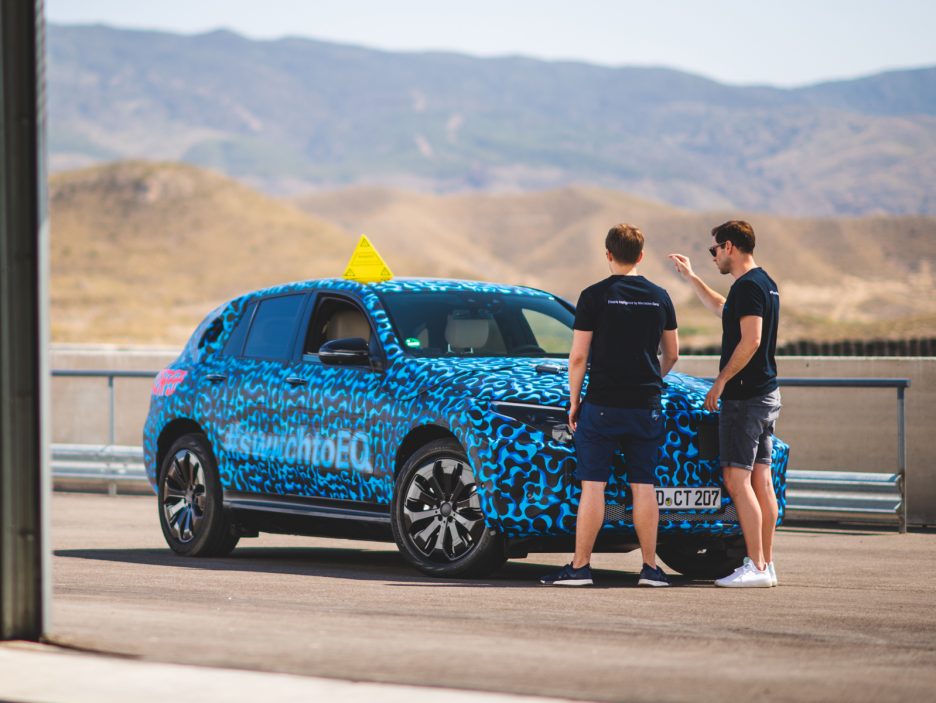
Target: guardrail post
112, 430
902, 460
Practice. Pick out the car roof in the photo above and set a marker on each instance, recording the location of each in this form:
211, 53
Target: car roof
402, 284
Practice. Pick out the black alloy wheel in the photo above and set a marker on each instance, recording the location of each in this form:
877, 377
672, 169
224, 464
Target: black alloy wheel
705, 557
191, 512
436, 515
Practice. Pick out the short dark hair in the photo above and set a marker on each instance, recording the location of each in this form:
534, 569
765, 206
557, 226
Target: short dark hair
738, 232
625, 242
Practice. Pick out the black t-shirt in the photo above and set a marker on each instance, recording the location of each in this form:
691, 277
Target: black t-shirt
754, 293
627, 315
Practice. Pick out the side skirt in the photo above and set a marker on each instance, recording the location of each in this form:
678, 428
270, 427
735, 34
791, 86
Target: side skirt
313, 517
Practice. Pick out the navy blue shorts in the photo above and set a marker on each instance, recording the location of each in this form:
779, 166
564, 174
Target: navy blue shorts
601, 431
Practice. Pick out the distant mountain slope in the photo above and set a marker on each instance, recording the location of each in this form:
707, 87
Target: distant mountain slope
909, 92
291, 114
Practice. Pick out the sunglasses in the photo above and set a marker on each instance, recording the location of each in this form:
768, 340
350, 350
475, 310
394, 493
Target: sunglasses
712, 250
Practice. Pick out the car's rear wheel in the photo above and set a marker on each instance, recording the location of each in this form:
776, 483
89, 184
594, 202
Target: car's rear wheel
191, 512
436, 515
704, 558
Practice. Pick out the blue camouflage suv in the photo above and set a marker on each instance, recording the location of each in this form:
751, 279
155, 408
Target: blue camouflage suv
428, 412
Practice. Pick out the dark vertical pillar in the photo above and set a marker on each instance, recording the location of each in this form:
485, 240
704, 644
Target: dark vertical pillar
24, 477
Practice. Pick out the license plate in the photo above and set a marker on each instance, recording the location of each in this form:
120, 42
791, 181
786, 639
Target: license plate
688, 498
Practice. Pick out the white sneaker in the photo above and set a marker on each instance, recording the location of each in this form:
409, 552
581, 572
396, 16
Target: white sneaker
746, 576
773, 574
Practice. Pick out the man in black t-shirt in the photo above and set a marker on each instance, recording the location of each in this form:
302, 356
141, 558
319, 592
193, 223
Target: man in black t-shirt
747, 386
623, 321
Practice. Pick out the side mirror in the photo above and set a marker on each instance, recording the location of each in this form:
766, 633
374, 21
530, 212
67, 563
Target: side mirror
351, 351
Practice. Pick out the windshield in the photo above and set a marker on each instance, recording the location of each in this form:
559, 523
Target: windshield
463, 323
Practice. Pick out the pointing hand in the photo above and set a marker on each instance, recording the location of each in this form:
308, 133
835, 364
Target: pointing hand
682, 264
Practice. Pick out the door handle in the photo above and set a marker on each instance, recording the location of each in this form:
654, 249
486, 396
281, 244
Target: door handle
297, 381
215, 377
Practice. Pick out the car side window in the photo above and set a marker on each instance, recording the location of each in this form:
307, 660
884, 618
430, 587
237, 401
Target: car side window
235, 342
549, 333
335, 318
273, 328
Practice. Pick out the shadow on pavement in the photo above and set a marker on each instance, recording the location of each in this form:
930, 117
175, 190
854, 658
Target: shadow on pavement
816, 527
356, 564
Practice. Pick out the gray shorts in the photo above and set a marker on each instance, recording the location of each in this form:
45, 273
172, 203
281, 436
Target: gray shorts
745, 430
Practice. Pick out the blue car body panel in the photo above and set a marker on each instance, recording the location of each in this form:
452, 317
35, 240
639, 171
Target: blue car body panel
340, 436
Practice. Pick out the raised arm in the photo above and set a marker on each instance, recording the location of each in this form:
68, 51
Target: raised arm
711, 299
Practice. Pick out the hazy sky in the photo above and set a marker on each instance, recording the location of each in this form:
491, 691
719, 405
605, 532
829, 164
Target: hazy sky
779, 42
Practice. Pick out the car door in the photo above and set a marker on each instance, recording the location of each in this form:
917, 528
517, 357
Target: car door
334, 413
257, 378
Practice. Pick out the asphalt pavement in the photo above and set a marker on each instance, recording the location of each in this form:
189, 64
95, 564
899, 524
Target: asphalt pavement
853, 618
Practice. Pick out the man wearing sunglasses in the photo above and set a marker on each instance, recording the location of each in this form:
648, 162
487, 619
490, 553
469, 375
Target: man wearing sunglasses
747, 387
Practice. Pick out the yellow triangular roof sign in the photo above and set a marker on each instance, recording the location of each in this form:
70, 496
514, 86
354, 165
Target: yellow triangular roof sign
365, 265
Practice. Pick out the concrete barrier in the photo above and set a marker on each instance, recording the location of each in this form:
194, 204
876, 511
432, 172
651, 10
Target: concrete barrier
828, 429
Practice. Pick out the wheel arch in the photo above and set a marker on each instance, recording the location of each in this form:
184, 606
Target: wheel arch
418, 437
171, 432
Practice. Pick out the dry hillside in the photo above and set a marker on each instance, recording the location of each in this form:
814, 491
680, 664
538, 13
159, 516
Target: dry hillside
141, 251
840, 277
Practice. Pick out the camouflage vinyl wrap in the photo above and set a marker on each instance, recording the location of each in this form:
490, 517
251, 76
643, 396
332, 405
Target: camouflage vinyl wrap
340, 435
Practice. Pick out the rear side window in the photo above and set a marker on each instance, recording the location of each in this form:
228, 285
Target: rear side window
274, 325
212, 333
236, 341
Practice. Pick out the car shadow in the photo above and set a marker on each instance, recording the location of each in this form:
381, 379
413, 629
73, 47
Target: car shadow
354, 564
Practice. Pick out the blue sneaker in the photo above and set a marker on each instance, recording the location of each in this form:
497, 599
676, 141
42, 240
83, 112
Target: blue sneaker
652, 576
567, 576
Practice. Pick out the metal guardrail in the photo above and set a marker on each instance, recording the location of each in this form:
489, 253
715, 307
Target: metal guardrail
111, 391
819, 494
838, 494
81, 467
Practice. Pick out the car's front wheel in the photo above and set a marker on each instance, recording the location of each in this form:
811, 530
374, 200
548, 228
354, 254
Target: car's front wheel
436, 515
703, 558
191, 513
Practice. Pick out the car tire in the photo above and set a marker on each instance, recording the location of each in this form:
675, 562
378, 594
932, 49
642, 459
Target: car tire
704, 558
436, 515
191, 510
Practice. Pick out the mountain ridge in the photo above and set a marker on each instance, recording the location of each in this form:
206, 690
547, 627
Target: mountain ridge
292, 115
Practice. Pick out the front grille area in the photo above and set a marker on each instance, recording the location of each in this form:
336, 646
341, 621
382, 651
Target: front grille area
618, 513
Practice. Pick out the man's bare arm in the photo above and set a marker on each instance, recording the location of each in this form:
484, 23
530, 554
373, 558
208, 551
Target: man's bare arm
669, 344
751, 327
711, 299
578, 360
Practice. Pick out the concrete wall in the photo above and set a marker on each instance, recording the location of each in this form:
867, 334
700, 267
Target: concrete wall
827, 428
80, 408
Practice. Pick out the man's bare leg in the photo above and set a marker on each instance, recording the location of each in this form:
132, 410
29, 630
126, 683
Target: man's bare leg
588, 521
646, 520
762, 483
738, 483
